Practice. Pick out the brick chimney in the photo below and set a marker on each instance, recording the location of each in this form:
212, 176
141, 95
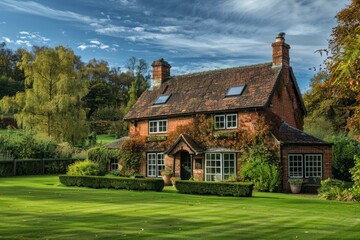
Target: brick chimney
280, 54
161, 71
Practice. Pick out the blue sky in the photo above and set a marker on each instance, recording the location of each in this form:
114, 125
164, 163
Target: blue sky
192, 36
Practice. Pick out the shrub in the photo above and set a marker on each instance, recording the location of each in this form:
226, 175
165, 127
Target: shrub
6, 168
84, 168
331, 189
26, 146
236, 189
344, 150
355, 172
265, 176
58, 166
132, 153
103, 156
140, 184
64, 150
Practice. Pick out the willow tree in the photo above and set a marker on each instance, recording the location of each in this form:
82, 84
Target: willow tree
51, 103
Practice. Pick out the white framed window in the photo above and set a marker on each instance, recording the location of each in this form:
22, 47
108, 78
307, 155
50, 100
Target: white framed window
295, 163
231, 121
313, 165
229, 165
305, 165
158, 126
114, 164
219, 166
219, 121
225, 121
155, 163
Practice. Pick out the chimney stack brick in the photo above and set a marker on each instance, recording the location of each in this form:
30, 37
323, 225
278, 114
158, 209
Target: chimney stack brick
280, 54
161, 71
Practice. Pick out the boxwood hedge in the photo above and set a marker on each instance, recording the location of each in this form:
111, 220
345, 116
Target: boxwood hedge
140, 184
236, 189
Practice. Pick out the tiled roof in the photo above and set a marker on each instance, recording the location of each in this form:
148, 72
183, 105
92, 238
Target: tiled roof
117, 143
205, 92
189, 142
290, 135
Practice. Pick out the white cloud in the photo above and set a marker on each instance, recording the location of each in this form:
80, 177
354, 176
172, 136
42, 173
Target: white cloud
33, 36
7, 40
96, 44
45, 11
22, 42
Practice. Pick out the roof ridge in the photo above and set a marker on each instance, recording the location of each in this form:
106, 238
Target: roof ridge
222, 69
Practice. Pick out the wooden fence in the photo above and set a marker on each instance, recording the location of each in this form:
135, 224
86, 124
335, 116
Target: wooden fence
18, 167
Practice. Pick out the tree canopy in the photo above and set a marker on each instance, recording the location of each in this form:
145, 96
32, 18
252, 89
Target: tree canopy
51, 103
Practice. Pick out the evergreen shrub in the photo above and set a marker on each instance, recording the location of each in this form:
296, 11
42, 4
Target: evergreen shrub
236, 189
140, 184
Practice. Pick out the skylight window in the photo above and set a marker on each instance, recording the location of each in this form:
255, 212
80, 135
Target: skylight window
235, 91
162, 99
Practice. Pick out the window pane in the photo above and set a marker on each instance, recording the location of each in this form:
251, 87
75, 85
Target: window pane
231, 121
295, 162
162, 99
235, 91
219, 121
313, 165
229, 165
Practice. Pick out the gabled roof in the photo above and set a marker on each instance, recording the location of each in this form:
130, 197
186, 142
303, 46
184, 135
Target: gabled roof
290, 135
205, 92
191, 144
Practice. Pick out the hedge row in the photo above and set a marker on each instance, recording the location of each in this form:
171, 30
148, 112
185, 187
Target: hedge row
34, 166
140, 184
236, 189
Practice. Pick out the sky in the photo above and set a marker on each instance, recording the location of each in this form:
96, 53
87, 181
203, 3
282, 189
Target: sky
193, 36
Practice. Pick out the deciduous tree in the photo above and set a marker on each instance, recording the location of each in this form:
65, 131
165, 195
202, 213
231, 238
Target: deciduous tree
51, 103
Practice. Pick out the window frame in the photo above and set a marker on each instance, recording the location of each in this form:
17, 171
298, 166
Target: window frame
166, 96
212, 163
305, 167
226, 121
114, 162
155, 171
302, 165
157, 126
242, 87
307, 172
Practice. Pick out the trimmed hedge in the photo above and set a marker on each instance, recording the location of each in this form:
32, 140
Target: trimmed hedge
140, 184
35, 166
236, 189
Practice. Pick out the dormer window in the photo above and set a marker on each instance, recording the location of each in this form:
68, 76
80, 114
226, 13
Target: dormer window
162, 99
235, 91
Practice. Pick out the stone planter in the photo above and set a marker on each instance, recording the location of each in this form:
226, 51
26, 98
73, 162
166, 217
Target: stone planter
166, 179
295, 188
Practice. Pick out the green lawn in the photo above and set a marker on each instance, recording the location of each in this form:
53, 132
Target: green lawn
41, 208
105, 138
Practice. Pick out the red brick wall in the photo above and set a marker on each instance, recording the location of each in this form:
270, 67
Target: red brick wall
325, 150
284, 102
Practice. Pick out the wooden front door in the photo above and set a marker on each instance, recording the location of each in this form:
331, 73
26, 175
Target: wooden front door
185, 173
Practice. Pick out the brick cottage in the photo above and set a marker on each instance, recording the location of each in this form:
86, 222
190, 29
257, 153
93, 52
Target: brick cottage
233, 98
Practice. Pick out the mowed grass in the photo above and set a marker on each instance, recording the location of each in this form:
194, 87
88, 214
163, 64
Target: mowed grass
41, 208
105, 138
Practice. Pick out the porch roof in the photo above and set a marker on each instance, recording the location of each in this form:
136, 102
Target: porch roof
189, 142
